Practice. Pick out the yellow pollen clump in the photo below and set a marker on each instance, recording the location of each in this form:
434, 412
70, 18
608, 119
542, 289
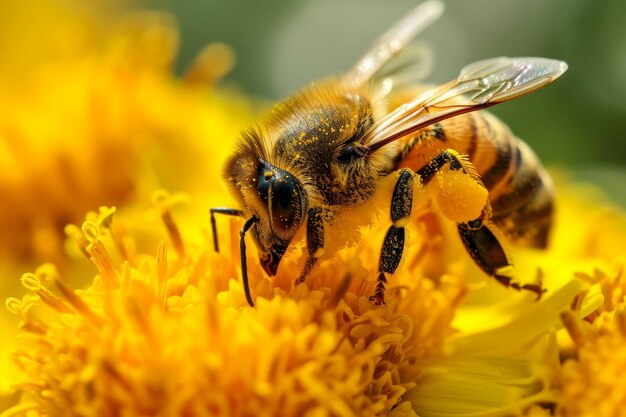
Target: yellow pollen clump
459, 196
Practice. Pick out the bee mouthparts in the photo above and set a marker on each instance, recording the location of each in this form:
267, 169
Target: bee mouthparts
269, 262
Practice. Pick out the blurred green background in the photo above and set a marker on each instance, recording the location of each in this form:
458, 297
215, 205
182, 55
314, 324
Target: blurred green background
578, 123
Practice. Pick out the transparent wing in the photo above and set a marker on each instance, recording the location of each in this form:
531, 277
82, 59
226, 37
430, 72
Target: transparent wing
392, 42
480, 85
407, 68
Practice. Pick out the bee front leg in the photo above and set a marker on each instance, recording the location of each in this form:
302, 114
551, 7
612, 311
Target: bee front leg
221, 210
314, 241
393, 244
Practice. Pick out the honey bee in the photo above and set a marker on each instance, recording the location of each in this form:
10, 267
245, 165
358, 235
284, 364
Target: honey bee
326, 149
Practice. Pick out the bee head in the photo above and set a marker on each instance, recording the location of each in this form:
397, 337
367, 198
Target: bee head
276, 198
306, 151
285, 204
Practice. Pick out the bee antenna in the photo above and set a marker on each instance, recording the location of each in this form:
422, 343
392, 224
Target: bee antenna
242, 250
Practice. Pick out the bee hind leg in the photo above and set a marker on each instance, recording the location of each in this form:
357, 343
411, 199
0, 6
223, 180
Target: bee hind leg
393, 244
479, 241
489, 255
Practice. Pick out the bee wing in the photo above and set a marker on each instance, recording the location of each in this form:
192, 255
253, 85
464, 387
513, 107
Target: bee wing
480, 85
394, 40
409, 67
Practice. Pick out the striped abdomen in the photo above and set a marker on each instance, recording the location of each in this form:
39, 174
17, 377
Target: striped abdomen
520, 189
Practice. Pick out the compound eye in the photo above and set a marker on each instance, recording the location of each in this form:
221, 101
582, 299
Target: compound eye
350, 153
346, 154
286, 205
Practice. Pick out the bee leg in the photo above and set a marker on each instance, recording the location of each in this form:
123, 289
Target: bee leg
479, 241
487, 252
242, 252
449, 156
314, 241
221, 210
393, 244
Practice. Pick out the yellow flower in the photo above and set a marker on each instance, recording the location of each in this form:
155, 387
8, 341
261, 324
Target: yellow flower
592, 346
171, 333
105, 123
93, 114
164, 328
591, 378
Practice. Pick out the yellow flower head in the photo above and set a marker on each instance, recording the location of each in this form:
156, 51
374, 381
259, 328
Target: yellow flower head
92, 114
592, 378
164, 327
171, 334
93, 126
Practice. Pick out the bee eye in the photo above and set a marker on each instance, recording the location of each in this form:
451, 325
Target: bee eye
284, 197
286, 205
348, 153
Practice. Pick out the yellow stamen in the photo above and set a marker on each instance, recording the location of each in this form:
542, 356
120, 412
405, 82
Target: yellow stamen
210, 65
32, 282
163, 202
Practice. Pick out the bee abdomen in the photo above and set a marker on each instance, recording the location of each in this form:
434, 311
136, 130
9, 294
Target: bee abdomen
523, 202
520, 189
